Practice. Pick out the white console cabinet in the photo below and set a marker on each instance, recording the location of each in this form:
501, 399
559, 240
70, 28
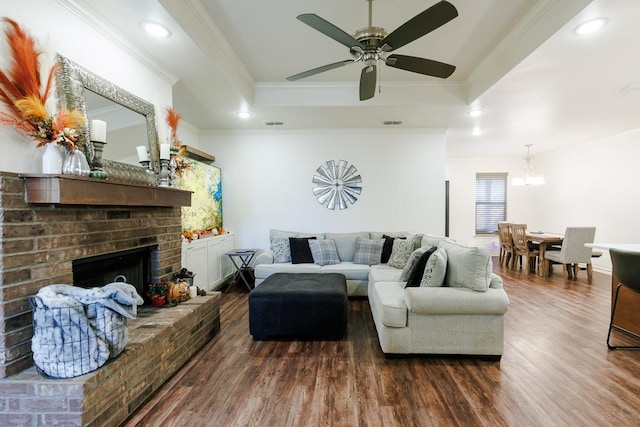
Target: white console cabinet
206, 258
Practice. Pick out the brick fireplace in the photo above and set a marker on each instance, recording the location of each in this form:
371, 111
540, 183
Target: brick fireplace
75, 219
39, 243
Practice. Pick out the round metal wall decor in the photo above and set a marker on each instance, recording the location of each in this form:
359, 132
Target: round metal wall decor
337, 185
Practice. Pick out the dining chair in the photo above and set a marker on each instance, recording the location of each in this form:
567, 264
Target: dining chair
523, 248
626, 268
506, 243
573, 252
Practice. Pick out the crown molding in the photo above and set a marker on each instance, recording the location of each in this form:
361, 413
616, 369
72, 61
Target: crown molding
196, 21
543, 20
87, 14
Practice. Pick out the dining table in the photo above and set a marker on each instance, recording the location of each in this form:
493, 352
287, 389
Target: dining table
545, 240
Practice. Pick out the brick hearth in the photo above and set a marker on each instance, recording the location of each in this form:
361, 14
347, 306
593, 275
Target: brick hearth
161, 340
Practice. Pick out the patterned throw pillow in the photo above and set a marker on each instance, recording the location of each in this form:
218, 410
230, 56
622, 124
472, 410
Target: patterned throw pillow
435, 270
324, 252
368, 251
281, 249
400, 253
411, 263
415, 278
388, 247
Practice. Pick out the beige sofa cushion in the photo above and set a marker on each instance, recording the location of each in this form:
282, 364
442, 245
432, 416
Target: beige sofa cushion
263, 271
350, 270
458, 301
388, 303
384, 273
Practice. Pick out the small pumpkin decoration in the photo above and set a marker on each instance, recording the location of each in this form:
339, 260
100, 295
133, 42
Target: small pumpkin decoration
178, 291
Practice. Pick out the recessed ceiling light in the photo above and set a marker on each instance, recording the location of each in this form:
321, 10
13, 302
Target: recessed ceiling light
155, 29
244, 114
475, 113
590, 26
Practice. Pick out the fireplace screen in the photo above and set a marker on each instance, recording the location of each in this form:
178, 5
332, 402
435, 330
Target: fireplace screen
133, 264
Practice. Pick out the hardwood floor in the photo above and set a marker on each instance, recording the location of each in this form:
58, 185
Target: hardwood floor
555, 371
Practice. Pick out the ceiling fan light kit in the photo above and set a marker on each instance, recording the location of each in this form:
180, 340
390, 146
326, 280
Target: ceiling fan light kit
372, 44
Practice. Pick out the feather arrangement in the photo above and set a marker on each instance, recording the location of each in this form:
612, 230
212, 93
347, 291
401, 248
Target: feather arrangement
24, 94
173, 119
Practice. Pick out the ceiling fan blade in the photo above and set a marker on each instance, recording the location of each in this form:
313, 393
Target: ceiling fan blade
329, 30
420, 65
368, 82
319, 70
421, 24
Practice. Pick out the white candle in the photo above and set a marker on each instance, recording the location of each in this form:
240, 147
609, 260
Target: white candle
99, 130
193, 291
143, 156
164, 151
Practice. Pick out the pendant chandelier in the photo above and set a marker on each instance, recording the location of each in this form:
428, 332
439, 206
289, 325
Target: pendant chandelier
528, 176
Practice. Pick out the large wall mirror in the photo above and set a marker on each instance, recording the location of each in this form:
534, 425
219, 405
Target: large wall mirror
130, 121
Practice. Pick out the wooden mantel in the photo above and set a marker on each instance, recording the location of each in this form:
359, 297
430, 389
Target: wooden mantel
201, 156
76, 190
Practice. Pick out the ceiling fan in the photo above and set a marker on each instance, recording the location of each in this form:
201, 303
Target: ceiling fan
372, 44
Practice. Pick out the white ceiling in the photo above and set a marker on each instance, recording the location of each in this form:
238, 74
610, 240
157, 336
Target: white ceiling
518, 60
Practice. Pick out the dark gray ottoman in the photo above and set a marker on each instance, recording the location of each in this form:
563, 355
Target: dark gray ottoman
299, 305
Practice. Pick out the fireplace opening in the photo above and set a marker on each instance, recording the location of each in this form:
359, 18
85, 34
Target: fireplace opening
133, 264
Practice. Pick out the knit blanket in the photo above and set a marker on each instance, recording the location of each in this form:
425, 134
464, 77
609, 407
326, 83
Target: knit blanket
77, 330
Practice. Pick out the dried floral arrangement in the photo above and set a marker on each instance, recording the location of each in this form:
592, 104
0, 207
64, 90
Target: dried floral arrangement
173, 119
25, 94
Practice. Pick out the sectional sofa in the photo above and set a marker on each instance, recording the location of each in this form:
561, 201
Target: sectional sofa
455, 306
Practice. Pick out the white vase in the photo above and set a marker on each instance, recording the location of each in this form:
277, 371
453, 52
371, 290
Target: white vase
51, 159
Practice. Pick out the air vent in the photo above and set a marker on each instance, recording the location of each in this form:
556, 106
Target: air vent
392, 122
274, 123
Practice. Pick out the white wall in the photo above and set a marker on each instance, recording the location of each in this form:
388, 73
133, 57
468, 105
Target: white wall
590, 184
266, 178
461, 173
63, 32
595, 184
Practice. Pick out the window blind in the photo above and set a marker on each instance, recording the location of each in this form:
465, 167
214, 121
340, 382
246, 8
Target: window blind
491, 201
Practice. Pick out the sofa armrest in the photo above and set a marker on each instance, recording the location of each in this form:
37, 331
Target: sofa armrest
263, 256
496, 282
447, 300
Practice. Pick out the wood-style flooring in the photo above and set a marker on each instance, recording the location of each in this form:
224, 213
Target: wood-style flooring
556, 371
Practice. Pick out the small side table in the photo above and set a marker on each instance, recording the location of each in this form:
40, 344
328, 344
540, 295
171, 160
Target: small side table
241, 258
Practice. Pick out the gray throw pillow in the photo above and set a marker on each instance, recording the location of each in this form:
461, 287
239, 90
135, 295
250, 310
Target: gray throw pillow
435, 270
467, 266
400, 253
368, 251
324, 252
281, 249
